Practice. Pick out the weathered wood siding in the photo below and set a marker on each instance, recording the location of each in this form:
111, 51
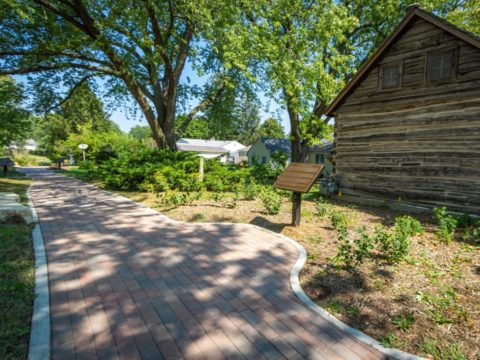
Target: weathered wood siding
420, 142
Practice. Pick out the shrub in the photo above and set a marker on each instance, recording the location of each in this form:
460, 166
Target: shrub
322, 208
214, 183
345, 253
339, 220
472, 233
272, 202
364, 244
231, 203
394, 244
408, 226
465, 221
265, 174
217, 196
174, 198
158, 184
447, 224
187, 182
249, 189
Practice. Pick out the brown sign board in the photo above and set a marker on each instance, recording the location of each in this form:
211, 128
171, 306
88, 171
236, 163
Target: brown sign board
298, 177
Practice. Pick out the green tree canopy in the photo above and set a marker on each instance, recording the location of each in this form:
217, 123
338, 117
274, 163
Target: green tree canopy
15, 122
304, 51
140, 132
272, 128
82, 111
138, 49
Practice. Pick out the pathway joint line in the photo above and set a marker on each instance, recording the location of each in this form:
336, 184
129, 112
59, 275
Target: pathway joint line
294, 282
39, 345
297, 288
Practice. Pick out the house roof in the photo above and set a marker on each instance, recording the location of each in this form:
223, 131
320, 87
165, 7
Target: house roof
274, 145
208, 146
325, 145
413, 13
201, 148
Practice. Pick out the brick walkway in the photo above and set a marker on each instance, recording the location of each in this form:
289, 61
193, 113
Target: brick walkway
127, 282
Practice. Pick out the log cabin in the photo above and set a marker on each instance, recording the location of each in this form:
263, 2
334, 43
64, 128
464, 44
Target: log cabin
407, 125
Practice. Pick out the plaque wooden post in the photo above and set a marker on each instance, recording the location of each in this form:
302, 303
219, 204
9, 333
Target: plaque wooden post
299, 178
296, 208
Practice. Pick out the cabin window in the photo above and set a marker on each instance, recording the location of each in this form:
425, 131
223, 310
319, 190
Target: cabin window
390, 76
264, 160
441, 65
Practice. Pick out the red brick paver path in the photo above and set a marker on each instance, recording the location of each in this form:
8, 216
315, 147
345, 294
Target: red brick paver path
127, 282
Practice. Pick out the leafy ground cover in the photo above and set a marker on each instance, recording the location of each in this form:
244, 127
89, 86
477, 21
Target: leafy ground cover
17, 280
412, 282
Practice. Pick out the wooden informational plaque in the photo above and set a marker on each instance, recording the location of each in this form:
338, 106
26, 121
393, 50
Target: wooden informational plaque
298, 177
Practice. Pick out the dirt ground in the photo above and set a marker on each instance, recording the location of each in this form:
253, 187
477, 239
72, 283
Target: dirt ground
428, 304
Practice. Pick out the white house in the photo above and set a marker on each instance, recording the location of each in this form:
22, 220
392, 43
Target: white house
30, 145
228, 151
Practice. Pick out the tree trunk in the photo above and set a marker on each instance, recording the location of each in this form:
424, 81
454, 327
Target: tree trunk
297, 156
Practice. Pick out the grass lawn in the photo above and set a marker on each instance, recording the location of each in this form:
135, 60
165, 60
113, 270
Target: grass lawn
17, 270
427, 304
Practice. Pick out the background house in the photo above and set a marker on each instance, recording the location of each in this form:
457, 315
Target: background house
261, 151
226, 151
407, 126
322, 154
30, 145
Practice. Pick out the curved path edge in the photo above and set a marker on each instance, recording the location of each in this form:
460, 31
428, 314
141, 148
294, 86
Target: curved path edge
39, 344
41, 314
297, 288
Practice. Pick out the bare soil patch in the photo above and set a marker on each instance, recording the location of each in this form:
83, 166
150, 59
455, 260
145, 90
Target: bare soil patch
428, 304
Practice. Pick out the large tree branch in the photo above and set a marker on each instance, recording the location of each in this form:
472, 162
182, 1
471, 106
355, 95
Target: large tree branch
129, 50
183, 52
47, 53
71, 19
202, 106
160, 43
59, 66
71, 92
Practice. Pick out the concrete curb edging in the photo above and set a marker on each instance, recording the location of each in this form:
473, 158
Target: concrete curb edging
297, 289
295, 285
39, 345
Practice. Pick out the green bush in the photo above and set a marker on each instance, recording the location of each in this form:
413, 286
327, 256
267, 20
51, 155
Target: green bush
249, 189
174, 198
158, 184
408, 226
265, 174
231, 203
391, 244
345, 252
472, 233
322, 208
272, 202
87, 165
394, 244
217, 196
364, 244
447, 224
134, 170
339, 220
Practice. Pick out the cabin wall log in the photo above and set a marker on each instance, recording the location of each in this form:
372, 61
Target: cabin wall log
421, 142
